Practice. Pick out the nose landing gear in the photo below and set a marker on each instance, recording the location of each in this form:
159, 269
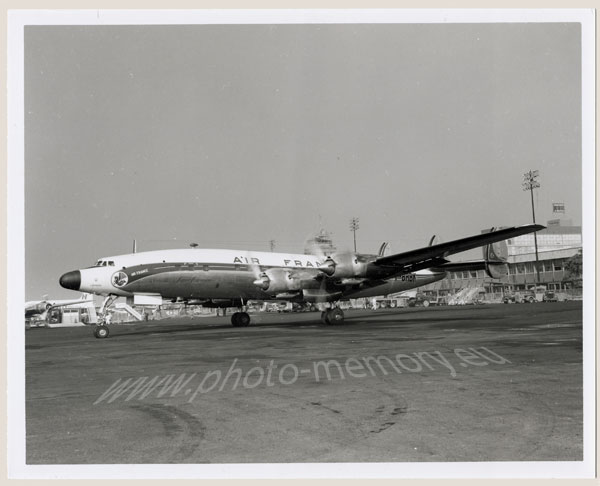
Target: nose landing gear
101, 331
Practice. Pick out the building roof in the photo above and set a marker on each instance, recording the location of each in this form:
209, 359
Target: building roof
561, 230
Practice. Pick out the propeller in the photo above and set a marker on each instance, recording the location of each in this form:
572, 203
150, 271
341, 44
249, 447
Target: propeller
262, 282
261, 279
345, 264
327, 264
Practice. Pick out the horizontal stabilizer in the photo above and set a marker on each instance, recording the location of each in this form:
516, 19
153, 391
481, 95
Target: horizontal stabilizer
463, 266
494, 269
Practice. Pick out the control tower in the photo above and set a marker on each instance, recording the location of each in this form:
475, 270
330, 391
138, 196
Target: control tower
320, 244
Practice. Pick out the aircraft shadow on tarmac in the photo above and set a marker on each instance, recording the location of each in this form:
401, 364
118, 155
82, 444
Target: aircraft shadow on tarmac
310, 321
196, 328
313, 320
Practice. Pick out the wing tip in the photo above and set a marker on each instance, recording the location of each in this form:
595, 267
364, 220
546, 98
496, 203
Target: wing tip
535, 226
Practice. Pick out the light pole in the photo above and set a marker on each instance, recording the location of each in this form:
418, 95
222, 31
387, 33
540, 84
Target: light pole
529, 184
353, 227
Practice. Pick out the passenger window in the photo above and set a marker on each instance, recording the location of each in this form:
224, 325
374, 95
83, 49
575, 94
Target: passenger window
112, 264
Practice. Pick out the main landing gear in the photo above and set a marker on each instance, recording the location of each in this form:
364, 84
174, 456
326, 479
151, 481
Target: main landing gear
332, 316
240, 319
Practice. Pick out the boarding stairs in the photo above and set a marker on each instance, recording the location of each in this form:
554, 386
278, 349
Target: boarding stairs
468, 295
130, 310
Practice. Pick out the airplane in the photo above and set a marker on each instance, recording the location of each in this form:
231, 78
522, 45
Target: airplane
221, 278
39, 308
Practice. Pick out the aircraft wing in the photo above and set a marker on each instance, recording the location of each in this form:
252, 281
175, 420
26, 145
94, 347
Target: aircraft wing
435, 255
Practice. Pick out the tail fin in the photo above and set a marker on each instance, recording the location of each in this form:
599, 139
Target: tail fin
496, 256
496, 252
382, 249
494, 262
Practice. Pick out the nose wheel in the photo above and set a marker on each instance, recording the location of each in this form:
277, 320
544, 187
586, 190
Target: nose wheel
101, 331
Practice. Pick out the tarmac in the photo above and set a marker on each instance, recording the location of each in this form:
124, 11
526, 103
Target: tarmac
470, 383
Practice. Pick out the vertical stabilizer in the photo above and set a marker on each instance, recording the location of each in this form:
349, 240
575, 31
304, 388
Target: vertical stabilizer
496, 257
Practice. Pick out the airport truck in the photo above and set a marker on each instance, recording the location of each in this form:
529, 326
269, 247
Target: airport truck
409, 299
389, 302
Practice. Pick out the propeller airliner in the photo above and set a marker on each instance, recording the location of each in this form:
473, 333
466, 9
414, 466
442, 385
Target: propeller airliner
230, 278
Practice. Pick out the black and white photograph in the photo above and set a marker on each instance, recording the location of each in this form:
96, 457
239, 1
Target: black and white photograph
301, 243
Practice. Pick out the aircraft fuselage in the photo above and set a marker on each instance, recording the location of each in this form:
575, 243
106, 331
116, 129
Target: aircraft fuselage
199, 274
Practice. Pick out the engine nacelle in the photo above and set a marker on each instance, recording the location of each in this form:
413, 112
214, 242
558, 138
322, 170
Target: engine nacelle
277, 280
345, 265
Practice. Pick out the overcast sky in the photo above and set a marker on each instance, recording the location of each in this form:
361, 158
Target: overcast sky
230, 136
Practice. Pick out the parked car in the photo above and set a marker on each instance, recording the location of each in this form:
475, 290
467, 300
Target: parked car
521, 297
419, 300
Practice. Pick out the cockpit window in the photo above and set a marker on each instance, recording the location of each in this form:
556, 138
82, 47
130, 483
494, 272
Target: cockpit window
104, 263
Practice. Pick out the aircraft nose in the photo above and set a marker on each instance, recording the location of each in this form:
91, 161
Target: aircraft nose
71, 280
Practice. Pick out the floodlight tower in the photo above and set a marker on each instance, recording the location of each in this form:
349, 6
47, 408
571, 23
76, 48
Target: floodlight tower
529, 184
353, 227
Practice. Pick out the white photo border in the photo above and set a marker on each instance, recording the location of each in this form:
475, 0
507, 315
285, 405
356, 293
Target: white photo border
17, 467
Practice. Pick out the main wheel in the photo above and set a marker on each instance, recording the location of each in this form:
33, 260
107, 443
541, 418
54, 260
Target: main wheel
325, 317
335, 316
243, 319
235, 319
101, 332
425, 303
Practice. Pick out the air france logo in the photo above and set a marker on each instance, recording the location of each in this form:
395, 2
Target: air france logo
119, 279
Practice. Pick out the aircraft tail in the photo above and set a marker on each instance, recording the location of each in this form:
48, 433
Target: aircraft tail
494, 261
496, 257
